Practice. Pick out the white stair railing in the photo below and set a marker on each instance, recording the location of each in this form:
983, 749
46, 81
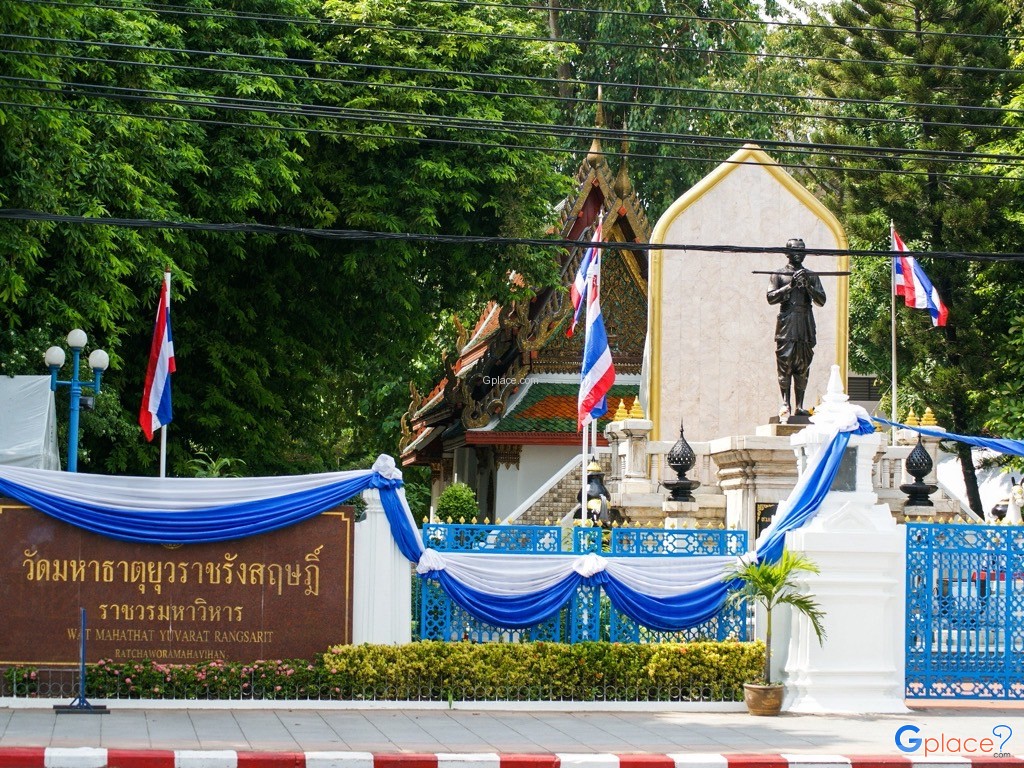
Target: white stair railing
555, 479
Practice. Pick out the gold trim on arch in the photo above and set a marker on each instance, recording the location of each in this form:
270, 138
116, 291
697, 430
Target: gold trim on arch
748, 154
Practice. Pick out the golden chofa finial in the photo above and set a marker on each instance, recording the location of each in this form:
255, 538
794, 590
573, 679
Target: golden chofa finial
636, 412
928, 419
623, 185
621, 414
912, 420
596, 154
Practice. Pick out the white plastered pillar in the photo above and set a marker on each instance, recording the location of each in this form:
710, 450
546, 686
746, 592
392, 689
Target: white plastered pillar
382, 581
861, 554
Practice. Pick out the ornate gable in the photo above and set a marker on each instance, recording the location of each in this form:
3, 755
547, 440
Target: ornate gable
529, 337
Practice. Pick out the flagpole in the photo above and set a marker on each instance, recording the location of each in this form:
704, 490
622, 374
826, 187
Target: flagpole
163, 451
892, 324
163, 429
593, 423
583, 496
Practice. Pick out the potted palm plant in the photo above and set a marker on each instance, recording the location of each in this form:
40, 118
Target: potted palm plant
769, 585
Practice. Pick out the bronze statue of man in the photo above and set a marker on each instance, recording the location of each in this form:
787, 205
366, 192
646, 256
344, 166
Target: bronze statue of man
796, 290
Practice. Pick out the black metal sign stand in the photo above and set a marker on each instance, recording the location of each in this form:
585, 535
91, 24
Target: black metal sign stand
80, 706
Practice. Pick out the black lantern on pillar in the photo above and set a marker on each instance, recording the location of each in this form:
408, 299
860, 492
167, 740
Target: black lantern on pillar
681, 458
918, 464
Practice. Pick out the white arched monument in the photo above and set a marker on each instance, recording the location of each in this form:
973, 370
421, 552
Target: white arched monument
711, 331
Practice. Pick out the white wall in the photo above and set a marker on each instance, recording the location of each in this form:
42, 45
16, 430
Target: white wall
711, 329
537, 463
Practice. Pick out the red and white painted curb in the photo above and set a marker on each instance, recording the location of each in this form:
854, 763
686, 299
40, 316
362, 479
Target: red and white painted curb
90, 757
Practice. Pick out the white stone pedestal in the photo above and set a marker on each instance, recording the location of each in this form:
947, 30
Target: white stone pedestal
861, 554
382, 581
635, 474
752, 470
861, 589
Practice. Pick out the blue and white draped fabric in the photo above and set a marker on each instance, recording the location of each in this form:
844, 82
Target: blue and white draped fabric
511, 590
810, 491
192, 510
997, 444
663, 593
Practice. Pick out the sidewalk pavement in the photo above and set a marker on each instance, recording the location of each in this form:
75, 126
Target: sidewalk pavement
171, 735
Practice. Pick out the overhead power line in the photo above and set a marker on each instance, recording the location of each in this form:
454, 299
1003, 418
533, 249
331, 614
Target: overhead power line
503, 77
356, 235
660, 47
461, 142
447, 122
724, 20
435, 89
569, 11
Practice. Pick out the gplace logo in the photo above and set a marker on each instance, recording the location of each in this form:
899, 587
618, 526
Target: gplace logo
908, 739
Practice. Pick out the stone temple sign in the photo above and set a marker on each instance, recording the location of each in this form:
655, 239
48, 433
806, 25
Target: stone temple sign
711, 361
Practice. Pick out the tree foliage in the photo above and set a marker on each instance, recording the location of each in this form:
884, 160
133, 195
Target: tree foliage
289, 348
698, 63
1005, 403
921, 85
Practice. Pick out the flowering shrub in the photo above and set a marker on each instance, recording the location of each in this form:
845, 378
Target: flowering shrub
438, 671
207, 680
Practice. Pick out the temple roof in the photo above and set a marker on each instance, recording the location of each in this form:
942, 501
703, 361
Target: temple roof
551, 407
510, 345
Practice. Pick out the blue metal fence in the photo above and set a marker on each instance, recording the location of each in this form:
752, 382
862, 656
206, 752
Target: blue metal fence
965, 611
588, 615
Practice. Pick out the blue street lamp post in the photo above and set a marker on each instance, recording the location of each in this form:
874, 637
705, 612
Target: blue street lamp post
98, 362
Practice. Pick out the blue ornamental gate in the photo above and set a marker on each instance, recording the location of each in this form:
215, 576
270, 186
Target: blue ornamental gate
965, 611
588, 615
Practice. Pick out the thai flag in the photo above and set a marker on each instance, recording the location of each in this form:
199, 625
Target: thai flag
156, 394
578, 289
598, 371
913, 284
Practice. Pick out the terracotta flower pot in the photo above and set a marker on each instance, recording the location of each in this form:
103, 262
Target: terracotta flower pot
763, 699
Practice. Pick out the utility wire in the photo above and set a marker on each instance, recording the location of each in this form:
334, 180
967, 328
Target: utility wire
495, 145
715, 20
385, 85
443, 122
552, 81
666, 48
15, 214
643, 15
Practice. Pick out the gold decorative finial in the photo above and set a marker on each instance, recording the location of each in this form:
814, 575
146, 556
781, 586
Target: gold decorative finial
636, 412
621, 414
462, 335
623, 185
912, 420
928, 419
596, 154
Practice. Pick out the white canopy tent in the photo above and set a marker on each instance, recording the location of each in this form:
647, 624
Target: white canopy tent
28, 423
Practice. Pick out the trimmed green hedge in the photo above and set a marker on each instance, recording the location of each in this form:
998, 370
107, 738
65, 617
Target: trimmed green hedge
530, 671
438, 671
